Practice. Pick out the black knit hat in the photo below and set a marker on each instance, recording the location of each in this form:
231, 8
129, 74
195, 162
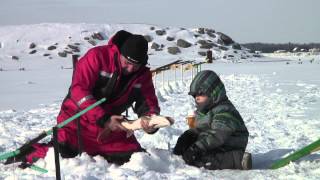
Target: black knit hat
135, 49
120, 37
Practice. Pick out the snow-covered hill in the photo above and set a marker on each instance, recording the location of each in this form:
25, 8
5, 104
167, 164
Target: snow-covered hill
61, 40
32, 48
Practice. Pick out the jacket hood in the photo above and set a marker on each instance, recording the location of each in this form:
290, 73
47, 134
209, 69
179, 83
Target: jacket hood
208, 83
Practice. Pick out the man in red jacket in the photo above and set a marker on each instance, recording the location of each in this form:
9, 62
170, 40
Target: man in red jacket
118, 72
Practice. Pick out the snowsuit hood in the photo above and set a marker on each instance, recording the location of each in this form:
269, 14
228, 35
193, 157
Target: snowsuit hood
208, 83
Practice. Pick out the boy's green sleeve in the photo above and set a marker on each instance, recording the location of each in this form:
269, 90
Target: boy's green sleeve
219, 131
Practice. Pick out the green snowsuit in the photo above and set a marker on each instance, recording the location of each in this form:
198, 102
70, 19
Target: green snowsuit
220, 137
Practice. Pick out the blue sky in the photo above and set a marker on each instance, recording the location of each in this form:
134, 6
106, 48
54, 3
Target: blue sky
273, 21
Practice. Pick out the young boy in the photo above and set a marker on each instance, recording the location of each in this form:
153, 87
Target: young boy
220, 137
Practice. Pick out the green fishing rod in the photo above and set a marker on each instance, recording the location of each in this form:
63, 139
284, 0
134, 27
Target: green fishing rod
297, 155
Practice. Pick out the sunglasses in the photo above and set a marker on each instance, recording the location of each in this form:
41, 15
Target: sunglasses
127, 60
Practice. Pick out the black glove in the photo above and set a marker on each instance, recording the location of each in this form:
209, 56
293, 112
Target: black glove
185, 141
192, 155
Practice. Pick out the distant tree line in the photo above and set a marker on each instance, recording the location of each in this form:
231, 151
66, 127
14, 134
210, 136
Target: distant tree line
271, 47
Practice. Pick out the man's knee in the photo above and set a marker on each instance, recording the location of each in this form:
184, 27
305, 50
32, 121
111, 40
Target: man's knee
66, 151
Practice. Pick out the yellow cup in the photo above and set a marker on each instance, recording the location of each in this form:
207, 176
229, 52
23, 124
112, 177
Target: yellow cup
191, 120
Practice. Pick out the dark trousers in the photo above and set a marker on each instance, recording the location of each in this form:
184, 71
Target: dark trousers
221, 160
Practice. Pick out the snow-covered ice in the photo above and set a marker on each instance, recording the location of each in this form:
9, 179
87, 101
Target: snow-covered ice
278, 99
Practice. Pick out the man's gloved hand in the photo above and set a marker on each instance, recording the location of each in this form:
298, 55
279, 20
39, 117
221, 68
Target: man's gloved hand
113, 124
185, 141
150, 129
192, 154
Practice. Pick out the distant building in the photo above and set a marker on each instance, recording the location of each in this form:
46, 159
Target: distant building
280, 51
296, 49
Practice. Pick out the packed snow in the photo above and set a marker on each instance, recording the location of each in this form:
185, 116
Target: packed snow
277, 98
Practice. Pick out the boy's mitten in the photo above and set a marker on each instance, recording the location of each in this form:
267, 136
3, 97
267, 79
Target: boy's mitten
192, 154
185, 141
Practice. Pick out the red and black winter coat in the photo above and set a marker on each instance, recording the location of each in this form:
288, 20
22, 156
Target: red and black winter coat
91, 81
